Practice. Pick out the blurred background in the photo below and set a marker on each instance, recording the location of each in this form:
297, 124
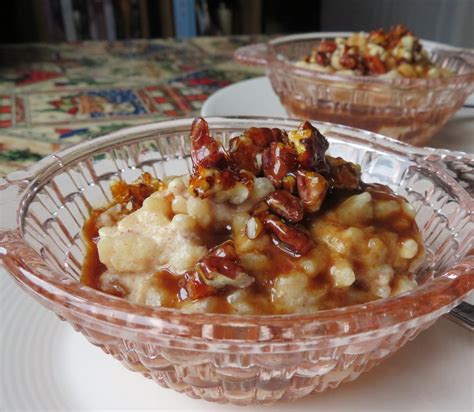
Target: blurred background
448, 21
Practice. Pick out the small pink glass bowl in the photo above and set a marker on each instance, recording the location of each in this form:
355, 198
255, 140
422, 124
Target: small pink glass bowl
411, 110
229, 358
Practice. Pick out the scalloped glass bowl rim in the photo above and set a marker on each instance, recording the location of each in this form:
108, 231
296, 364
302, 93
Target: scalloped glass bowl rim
145, 317
395, 82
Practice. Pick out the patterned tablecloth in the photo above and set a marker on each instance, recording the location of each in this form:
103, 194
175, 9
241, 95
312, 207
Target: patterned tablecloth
57, 94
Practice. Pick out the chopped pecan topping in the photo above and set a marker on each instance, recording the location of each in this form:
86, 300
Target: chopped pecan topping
312, 189
310, 146
285, 205
348, 62
378, 36
136, 192
195, 286
295, 163
395, 34
278, 160
212, 173
344, 175
322, 59
375, 54
279, 135
327, 46
218, 269
375, 65
260, 209
244, 155
288, 237
222, 185
206, 151
260, 136
221, 267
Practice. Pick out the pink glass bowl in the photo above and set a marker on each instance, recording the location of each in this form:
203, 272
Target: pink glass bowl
229, 358
411, 110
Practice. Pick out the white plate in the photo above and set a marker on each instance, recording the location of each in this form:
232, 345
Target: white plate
255, 97
45, 365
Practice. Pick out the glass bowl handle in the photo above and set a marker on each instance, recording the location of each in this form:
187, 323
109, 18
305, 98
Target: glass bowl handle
460, 166
15, 253
253, 55
11, 191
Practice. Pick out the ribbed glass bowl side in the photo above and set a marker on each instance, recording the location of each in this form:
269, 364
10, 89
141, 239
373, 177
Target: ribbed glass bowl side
221, 357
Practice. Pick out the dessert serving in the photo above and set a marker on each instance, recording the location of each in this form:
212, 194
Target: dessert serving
396, 53
271, 224
390, 83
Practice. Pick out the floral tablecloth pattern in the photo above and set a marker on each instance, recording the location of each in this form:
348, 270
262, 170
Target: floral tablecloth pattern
53, 95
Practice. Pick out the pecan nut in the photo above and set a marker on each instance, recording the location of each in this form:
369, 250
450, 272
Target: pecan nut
312, 189
327, 46
278, 160
221, 185
260, 136
322, 59
135, 192
348, 62
194, 286
221, 267
205, 150
285, 205
344, 175
243, 154
375, 65
279, 135
287, 237
377, 36
310, 146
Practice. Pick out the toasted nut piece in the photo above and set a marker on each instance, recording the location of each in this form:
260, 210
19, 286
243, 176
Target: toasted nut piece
287, 237
243, 155
278, 161
221, 267
348, 62
260, 136
327, 46
310, 146
254, 228
395, 34
322, 59
194, 286
260, 209
285, 205
377, 36
375, 65
135, 192
205, 150
279, 135
225, 250
312, 189
344, 175
222, 185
